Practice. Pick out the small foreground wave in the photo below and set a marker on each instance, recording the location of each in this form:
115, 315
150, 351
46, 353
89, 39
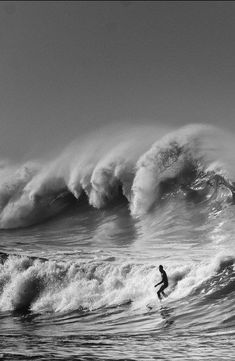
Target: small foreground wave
28, 284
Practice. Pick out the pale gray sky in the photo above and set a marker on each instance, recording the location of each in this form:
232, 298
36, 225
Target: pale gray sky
66, 67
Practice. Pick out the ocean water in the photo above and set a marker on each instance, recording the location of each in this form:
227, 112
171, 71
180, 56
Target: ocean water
84, 231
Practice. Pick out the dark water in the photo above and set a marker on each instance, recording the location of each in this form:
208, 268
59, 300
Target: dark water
80, 251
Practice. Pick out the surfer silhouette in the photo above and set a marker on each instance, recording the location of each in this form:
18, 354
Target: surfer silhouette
164, 281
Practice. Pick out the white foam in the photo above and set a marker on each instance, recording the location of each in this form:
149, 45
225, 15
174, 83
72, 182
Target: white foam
65, 286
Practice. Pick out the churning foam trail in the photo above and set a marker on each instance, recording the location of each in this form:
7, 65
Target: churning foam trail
134, 161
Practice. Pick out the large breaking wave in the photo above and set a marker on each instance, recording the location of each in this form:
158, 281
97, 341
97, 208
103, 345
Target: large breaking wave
144, 164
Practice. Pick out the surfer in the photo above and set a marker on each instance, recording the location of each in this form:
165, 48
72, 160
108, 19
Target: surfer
164, 281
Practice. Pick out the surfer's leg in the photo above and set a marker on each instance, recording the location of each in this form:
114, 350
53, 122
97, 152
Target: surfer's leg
162, 290
158, 293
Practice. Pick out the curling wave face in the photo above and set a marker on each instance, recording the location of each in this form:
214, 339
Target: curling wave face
144, 164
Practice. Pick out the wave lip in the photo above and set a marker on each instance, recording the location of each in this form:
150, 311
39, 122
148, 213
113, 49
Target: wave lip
177, 160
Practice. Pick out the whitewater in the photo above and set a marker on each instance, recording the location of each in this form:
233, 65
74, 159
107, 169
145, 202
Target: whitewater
84, 229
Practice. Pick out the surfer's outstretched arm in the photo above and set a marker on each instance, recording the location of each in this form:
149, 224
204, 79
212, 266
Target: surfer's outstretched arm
158, 283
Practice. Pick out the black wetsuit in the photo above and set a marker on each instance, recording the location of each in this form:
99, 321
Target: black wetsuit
164, 281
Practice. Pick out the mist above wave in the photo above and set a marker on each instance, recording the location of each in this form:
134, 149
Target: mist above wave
140, 163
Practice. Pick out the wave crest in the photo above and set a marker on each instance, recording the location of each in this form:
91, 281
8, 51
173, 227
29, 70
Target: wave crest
177, 160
